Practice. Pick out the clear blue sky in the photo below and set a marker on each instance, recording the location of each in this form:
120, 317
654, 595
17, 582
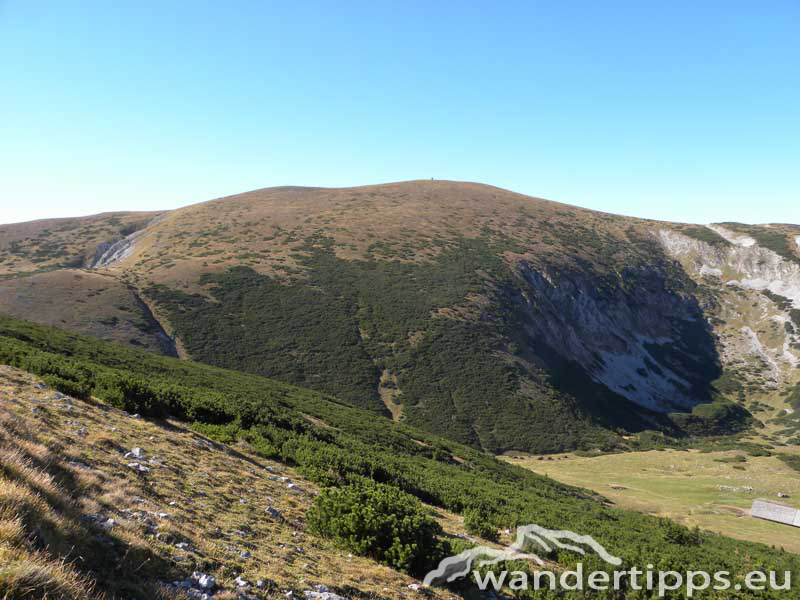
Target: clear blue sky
681, 110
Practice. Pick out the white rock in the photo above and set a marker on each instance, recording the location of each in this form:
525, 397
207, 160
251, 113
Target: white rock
705, 271
138, 467
310, 595
206, 582
737, 239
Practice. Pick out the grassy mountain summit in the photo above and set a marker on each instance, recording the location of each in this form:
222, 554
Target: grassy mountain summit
495, 319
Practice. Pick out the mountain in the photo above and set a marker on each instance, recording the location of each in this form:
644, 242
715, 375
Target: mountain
499, 320
124, 473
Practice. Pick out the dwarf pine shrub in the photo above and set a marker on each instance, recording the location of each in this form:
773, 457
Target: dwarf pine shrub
378, 521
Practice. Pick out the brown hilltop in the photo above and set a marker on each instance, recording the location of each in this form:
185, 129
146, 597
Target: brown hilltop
408, 221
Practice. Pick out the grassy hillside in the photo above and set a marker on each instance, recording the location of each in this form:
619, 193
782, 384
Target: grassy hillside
48, 244
332, 443
499, 320
117, 312
66, 491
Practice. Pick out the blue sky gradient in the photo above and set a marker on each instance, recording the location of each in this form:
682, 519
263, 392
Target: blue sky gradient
686, 111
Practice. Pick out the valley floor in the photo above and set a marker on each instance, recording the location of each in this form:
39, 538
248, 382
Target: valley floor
691, 487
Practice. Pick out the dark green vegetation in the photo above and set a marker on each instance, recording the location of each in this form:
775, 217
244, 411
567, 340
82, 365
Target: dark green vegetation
704, 234
793, 397
714, 419
17, 275
785, 305
736, 458
480, 520
336, 444
793, 460
459, 336
655, 440
381, 522
338, 330
789, 420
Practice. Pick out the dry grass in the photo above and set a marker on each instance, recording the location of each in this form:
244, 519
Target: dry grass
65, 298
64, 473
263, 229
32, 506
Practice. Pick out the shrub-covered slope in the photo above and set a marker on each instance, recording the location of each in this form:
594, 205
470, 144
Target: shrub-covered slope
496, 319
335, 444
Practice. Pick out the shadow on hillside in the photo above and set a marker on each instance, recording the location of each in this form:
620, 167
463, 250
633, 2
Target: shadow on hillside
644, 331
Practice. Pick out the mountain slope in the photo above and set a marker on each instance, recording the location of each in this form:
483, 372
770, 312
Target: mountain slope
200, 507
49, 244
497, 319
88, 301
327, 442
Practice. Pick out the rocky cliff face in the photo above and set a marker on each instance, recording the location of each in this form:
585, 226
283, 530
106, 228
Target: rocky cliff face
112, 251
723, 322
648, 343
756, 297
